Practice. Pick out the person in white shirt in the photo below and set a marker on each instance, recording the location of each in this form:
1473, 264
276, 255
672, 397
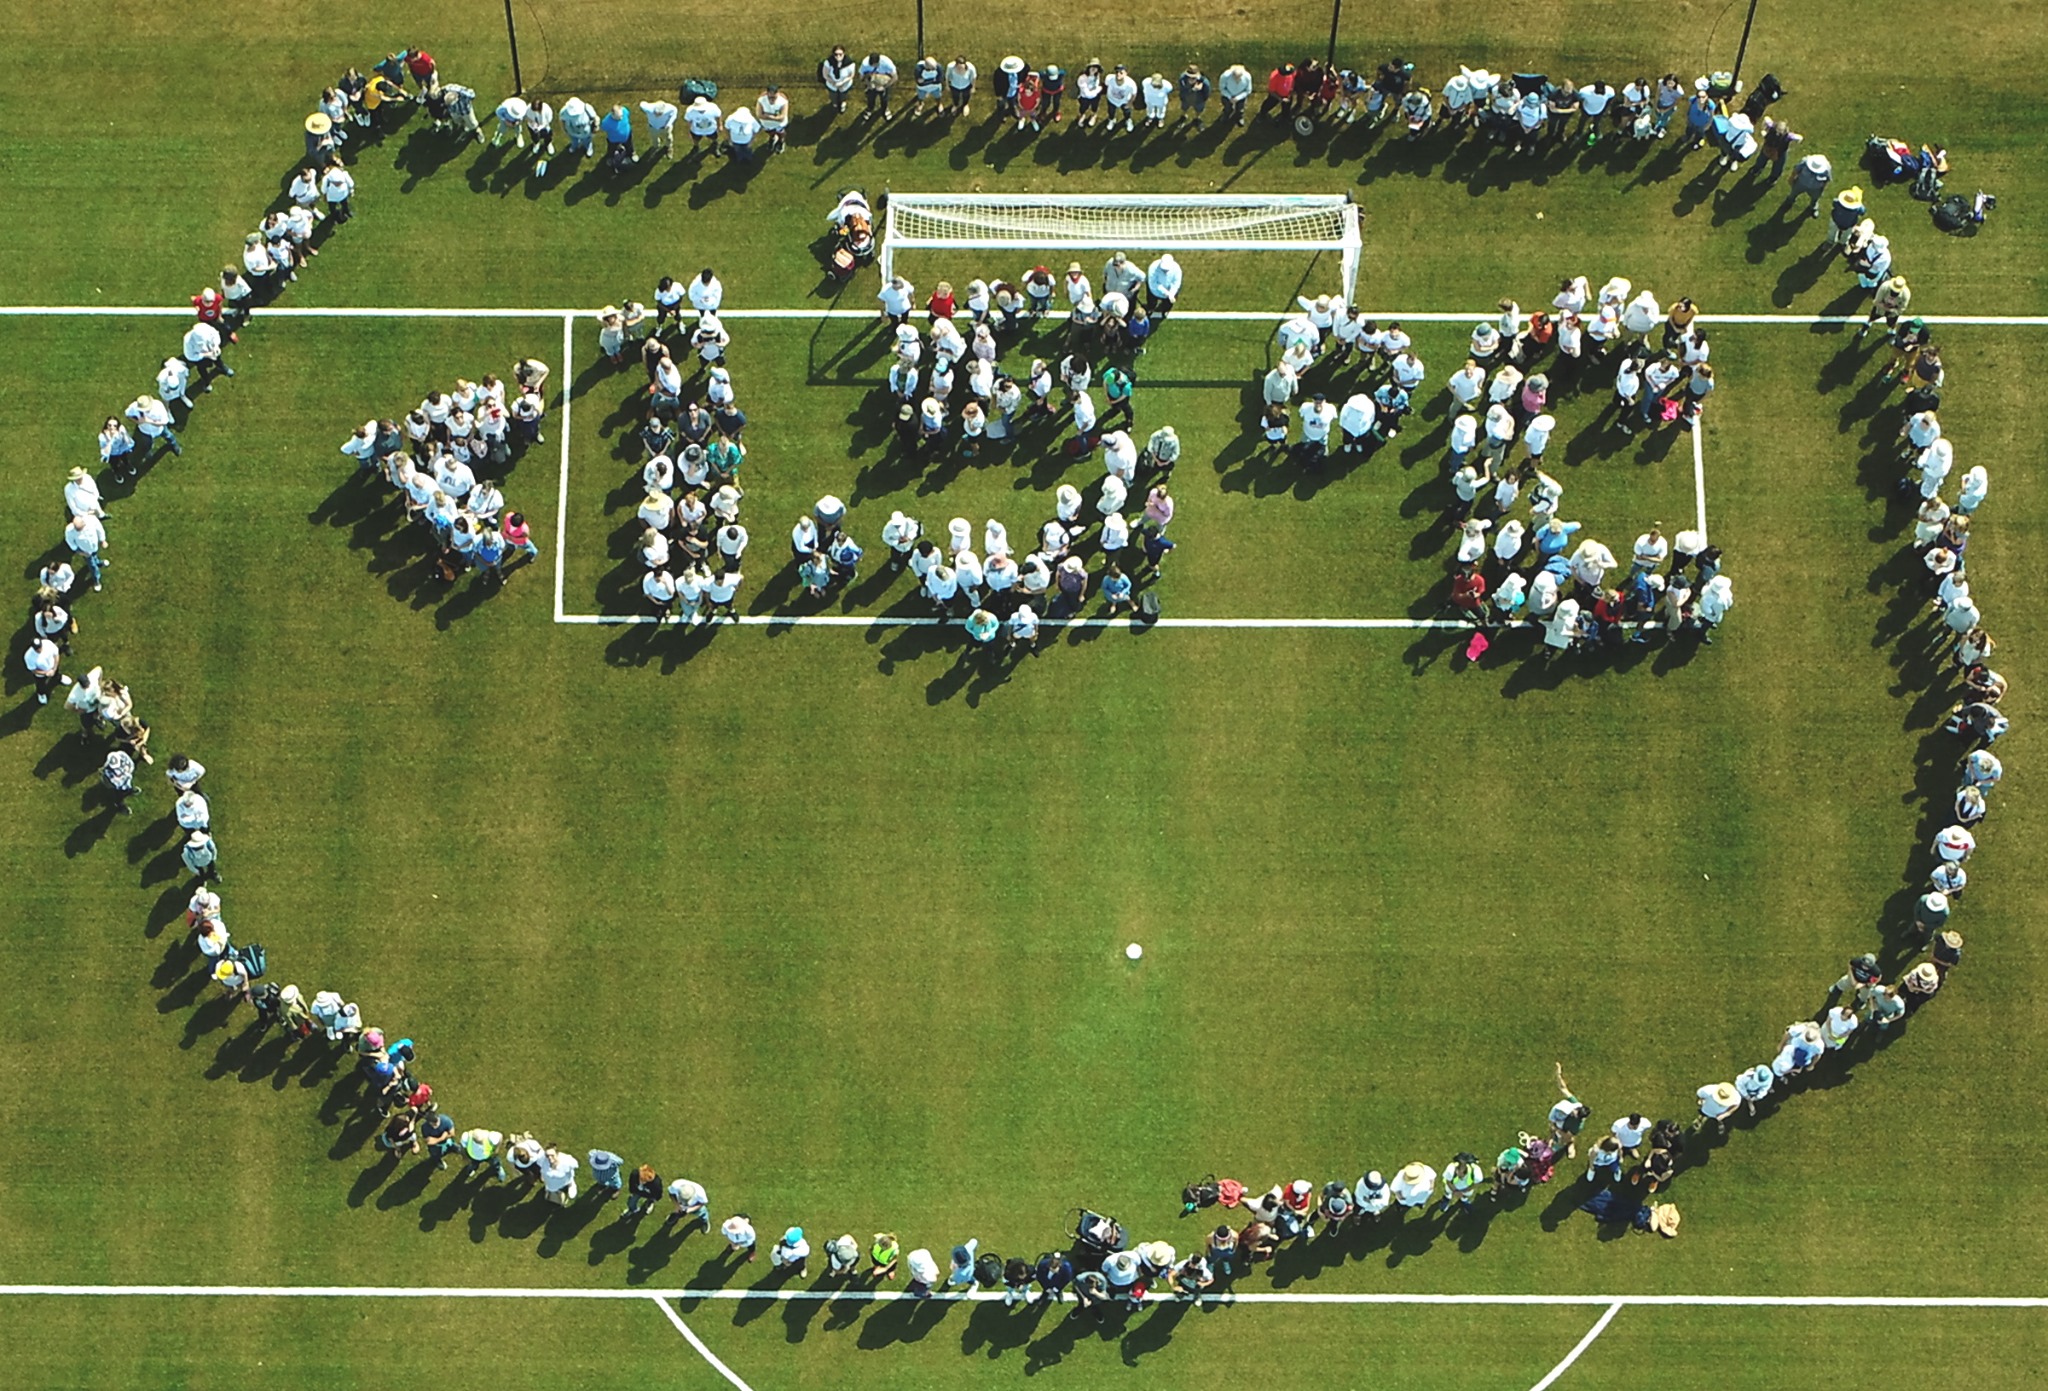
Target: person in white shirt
1157, 91
897, 297
1650, 552
338, 187
82, 495
773, 108
1468, 384
511, 122
661, 129
1023, 629
1464, 435
192, 811
86, 537
792, 1253
740, 129
1317, 415
1162, 285
1120, 455
201, 351
703, 117
1234, 86
42, 659
1976, 484
877, 74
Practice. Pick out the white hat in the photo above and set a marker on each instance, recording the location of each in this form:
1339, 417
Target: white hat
1012, 64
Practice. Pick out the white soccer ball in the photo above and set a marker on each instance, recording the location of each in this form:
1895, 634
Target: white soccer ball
1134, 951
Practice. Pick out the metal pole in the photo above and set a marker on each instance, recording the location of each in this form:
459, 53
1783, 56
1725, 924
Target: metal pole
1336, 14
920, 30
1743, 47
512, 33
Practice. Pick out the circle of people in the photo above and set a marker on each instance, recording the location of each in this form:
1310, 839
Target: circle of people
1635, 1156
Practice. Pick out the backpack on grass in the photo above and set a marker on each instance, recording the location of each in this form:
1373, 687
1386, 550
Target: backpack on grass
253, 959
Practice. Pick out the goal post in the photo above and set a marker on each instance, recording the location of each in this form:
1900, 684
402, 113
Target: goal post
1311, 222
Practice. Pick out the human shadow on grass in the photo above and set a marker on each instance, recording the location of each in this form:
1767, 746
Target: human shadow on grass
424, 154
652, 1256
372, 1178
903, 1321
993, 1328
411, 1184
1801, 275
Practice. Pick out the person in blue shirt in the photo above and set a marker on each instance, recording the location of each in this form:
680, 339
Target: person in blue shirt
617, 126
1553, 537
607, 1174
1116, 589
845, 556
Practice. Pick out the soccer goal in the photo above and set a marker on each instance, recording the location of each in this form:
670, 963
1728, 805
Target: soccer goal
1312, 222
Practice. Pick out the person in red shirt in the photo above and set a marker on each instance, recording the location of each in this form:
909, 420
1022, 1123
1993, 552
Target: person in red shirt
212, 309
941, 303
1279, 90
517, 536
1468, 593
420, 64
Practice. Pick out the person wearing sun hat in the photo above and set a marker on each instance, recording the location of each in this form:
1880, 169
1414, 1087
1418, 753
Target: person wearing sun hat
740, 1241
1843, 215
1414, 1185
1009, 81
1373, 1194
842, 1255
1718, 1101
1918, 985
319, 138
1754, 1085
792, 1254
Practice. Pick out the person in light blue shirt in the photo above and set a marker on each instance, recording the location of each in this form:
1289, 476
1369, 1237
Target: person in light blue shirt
1554, 537
617, 126
607, 1174
1116, 589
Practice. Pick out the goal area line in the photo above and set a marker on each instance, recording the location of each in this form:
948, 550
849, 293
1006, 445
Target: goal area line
874, 1296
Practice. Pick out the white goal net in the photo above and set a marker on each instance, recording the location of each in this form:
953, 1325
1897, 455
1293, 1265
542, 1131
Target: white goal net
1312, 222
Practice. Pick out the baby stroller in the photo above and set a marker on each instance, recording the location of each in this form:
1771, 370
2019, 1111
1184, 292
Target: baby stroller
1894, 161
854, 244
1096, 1236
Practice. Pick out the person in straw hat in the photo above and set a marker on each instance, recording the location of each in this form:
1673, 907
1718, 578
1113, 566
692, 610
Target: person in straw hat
1414, 1185
1718, 1101
1157, 92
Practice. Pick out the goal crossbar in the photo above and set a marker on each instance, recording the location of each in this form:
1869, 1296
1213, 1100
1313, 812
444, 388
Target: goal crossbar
1312, 222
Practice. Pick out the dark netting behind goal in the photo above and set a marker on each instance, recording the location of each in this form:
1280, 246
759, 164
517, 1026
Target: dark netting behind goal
642, 48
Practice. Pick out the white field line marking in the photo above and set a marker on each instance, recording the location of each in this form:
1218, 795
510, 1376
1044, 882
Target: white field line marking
1699, 483
698, 1343
171, 311
562, 496
855, 620
1564, 1366
873, 1296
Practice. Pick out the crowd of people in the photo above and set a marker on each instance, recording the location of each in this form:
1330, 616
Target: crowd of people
432, 460
946, 393
694, 456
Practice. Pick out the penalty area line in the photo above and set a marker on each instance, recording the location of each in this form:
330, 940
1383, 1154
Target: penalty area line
1592, 1335
711, 1357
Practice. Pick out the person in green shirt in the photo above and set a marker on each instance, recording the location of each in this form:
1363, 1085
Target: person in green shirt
480, 1147
1118, 385
884, 1251
1462, 1177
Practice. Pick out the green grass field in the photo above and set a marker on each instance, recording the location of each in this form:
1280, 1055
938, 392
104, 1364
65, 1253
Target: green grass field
830, 919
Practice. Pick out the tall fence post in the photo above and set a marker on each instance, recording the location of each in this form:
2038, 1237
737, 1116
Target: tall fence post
1742, 49
512, 34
